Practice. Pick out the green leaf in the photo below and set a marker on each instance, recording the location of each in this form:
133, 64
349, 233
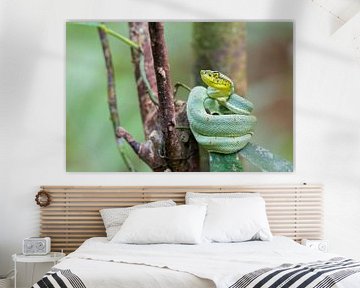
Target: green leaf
264, 159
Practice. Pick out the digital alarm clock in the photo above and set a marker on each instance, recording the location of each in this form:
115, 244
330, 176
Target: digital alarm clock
36, 246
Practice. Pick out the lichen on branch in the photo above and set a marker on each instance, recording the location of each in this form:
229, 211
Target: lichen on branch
167, 117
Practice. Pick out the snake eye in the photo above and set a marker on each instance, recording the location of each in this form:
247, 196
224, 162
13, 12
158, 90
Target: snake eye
205, 72
216, 74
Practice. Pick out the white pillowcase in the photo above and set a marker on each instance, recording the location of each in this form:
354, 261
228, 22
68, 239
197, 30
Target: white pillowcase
113, 218
236, 220
204, 198
180, 224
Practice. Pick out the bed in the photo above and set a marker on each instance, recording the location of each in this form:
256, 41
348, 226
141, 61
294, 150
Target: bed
98, 263
294, 211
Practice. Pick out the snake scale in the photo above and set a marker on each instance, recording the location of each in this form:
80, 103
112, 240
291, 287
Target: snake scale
219, 119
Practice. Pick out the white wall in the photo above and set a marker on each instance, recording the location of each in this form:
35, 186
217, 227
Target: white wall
32, 117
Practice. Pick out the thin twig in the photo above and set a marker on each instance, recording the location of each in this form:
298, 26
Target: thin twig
178, 85
122, 38
153, 97
114, 115
110, 79
111, 32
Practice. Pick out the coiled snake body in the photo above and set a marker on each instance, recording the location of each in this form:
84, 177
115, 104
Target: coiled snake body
219, 119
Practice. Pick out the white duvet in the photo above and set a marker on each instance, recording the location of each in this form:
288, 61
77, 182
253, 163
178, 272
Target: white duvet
100, 263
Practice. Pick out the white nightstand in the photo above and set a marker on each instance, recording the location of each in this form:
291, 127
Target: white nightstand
320, 245
53, 257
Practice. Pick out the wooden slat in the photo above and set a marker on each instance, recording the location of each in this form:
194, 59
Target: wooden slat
73, 216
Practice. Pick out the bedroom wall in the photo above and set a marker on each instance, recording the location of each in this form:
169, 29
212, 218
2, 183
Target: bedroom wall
32, 118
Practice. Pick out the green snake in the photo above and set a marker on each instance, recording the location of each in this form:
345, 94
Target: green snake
219, 119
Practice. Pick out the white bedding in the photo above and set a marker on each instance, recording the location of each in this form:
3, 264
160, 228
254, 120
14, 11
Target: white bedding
100, 263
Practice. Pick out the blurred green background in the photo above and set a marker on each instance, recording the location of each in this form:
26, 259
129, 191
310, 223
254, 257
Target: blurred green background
90, 142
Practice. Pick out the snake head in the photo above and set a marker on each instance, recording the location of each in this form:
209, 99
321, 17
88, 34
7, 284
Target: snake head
218, 81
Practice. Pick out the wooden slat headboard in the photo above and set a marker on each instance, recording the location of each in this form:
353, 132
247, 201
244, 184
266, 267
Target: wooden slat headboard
73, 215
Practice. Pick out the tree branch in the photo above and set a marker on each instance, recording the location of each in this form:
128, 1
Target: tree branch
114, 115
110, 79
172, 147
265, 159
147, 152
139, 33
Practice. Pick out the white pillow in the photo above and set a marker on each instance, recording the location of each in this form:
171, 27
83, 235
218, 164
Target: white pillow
204, 198
113, 218
236, 220
180, 224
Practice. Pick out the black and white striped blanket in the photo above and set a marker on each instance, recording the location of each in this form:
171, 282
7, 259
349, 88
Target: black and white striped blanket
59, 278
320, 274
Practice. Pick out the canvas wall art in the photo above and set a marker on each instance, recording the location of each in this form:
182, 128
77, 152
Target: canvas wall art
179, 96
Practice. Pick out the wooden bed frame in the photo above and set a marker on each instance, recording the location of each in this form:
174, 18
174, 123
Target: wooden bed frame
73, 214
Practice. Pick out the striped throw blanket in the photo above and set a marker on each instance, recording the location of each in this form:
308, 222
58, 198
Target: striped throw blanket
59, 278
320, 274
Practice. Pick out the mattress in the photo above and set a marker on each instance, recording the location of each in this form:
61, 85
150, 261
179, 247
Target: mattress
99, 263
